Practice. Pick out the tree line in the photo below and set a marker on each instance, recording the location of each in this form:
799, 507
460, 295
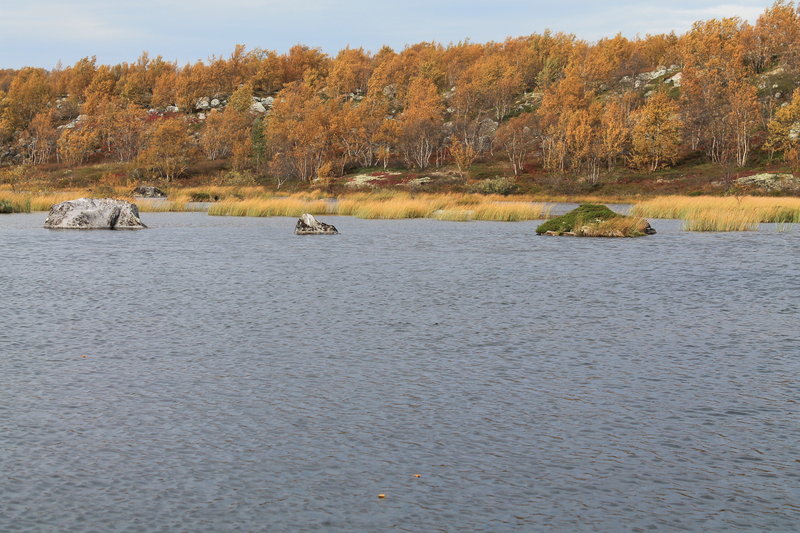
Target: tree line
725, 90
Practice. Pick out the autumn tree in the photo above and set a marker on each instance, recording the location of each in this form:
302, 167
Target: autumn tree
743, 120
38, 141
420, 123
168, 148
656, 133
463, 154
614, 132
711, 90
128, 129
776, 38
28, 95
298, 132
784, 131
349, 72
519, 137
76, 144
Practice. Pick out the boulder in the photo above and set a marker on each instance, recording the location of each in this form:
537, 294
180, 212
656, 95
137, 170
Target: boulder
92, 213
203, 104
147, 191
770, 183
258, 107
308, 225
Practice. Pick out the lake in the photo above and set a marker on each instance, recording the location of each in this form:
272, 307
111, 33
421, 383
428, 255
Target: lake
240, 378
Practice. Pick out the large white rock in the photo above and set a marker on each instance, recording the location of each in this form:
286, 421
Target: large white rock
92, 213
308, 225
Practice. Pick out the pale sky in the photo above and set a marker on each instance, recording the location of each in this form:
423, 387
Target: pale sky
42, 32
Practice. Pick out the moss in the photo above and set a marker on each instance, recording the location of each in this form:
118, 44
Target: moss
592, 220
586, 213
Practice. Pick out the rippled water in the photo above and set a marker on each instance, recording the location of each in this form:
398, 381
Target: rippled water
240, 378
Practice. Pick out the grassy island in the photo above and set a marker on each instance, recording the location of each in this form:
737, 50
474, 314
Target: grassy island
592, 220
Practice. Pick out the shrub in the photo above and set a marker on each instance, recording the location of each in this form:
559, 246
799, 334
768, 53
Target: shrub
502, 186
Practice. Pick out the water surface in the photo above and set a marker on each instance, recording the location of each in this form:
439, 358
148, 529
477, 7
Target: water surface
240, 378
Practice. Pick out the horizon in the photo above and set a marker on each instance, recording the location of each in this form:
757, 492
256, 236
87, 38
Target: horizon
186, 33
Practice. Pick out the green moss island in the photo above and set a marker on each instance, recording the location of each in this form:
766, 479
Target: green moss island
593, 220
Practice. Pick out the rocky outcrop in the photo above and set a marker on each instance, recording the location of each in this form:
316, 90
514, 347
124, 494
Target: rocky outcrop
147, 191
91, 213
769, 183
308, 225
258, 107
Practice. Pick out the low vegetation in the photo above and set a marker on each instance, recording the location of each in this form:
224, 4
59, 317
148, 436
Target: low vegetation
388, 205
708, 213
543, 113
592, 220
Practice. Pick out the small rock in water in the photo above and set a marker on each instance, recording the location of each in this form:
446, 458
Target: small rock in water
308, 225
91, 213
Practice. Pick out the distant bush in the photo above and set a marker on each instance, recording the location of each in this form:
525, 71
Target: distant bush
6, 207
502, 186
203, 197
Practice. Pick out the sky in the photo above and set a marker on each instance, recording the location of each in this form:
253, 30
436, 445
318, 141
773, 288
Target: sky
43, 32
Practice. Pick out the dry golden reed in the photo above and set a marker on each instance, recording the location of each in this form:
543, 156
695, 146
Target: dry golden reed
269, 207
711, 213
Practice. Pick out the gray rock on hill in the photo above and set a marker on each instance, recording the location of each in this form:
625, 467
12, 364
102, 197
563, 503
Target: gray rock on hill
308, 225
148, 191
91, 213
769, 182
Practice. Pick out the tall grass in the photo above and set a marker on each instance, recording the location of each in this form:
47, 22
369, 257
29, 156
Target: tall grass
613, 227
269, 207
387, 205
711, 213
398, 207
28, 202
717, 220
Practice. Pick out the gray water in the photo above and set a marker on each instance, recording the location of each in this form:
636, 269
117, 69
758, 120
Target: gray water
240, 378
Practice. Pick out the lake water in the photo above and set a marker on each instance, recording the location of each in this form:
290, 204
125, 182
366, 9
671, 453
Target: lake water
240, 378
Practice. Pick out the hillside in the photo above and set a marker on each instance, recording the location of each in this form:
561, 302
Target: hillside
544, 113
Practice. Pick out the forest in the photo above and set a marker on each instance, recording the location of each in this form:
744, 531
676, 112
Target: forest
721, 97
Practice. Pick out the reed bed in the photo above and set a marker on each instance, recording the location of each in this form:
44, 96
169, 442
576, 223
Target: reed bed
711, 213
402, 207
511, 211
716, 220
181, 204
387, 205
270, 207
29, 202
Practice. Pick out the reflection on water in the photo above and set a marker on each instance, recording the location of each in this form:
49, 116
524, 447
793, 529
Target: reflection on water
240, 378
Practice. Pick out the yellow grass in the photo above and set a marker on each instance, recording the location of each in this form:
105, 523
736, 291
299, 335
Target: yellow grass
613, 227
387, 205
511, 211
28, 202
401, 207
269, 207
711, 213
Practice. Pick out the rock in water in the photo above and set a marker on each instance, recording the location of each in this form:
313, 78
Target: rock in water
308, 225
91, 213
147, 191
